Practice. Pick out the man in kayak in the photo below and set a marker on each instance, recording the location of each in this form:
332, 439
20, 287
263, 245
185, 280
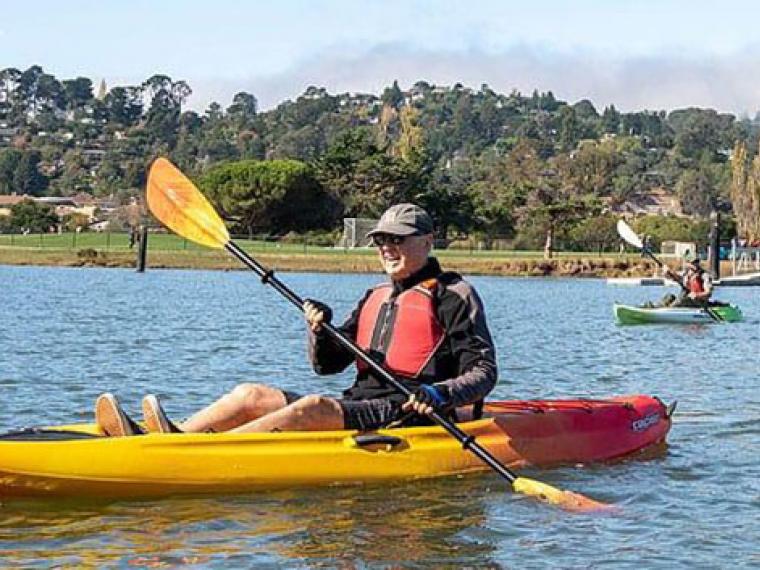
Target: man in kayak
426, 326
697, 285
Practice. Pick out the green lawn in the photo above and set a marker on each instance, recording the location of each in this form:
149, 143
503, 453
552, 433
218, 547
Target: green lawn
108, 241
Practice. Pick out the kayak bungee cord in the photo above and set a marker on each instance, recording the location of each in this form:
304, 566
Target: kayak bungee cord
181, 207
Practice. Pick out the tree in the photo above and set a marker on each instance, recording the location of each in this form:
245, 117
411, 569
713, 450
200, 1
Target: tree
50, 93
9, 160
109, 176
553, 202
243, 110
410, 141
366, 178
745, 192
610, 120
585, 110
697, 190
569, 128
166, 99
268, 196
32, 216
75, 177
392, 96
661, 228
27, 179
123, 105
448, 199
78, 92
185, 155
9, 78
701, 131
26, 88
594, 232
590, 169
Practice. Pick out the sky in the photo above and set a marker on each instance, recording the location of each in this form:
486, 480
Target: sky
644, 54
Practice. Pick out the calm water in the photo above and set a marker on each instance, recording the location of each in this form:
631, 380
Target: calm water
69, 334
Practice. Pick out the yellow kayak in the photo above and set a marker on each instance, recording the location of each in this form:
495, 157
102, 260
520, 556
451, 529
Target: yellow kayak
76, 460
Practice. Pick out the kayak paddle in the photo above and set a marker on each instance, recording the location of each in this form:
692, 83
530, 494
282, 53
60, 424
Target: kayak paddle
179, 205
626, 232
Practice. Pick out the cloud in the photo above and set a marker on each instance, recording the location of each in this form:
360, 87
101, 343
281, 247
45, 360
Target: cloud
729, 83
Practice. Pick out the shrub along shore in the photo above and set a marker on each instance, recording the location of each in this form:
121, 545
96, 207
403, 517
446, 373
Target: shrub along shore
499, 263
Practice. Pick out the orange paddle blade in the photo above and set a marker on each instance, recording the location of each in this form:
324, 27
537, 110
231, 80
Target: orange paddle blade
564, 499
181, 207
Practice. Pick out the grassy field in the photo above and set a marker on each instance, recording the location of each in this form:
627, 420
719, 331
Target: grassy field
164, 242
170, 251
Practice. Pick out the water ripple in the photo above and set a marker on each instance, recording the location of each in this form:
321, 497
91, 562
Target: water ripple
69, 334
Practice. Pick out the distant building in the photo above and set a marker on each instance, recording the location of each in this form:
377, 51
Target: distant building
62, 205
67, 205
679, 249
93, 156
84, 199
7, 134
102, 90
7, 202
655, 202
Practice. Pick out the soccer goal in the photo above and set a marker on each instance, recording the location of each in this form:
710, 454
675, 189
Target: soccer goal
355, 230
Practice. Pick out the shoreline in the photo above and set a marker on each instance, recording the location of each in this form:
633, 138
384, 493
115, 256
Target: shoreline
567, 265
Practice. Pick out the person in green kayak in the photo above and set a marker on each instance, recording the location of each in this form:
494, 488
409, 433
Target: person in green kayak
426, 326
697, 285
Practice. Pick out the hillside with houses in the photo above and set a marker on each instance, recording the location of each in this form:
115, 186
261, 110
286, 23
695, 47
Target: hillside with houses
529, 169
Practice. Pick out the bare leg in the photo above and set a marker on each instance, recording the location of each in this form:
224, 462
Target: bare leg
244, 404
310, 413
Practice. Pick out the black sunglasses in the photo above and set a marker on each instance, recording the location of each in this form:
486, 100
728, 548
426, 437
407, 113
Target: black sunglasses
388, 239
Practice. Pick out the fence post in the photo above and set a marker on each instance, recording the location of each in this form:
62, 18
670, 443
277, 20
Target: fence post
714, 248
108, 240
73, 240
142, 249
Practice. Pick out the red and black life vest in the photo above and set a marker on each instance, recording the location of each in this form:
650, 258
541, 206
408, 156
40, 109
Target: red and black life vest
404, 330
696, 284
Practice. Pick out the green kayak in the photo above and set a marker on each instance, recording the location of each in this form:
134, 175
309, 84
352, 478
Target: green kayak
630, 315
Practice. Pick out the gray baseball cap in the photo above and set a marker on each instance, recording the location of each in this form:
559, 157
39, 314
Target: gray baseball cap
404, 220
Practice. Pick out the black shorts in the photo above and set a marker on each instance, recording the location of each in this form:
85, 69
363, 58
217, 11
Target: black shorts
367, 415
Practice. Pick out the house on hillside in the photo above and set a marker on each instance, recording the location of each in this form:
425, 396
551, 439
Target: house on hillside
655, 202
93, 156
62, 206
7, 202
82, 199
107, 204
7, 134
67, 205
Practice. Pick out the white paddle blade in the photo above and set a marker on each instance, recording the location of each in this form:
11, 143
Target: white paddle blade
626, 232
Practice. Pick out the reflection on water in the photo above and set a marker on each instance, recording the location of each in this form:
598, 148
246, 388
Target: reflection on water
413, 522
69, 334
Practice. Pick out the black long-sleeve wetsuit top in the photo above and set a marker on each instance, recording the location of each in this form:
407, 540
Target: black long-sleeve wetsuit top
465, 362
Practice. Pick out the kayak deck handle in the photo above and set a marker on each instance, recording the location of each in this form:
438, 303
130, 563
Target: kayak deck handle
367, 439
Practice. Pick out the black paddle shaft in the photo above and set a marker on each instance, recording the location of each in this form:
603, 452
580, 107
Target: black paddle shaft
468, 441
654, 258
